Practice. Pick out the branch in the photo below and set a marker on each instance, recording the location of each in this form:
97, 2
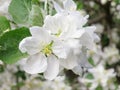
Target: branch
97, 19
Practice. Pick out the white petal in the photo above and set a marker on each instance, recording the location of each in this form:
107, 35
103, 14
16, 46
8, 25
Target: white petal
22, 62
30, 45
78, 18
77, 33
52, 69
40, 33
89, 38
35, 64
70, 62
35, 30
51, 23
77, 70
83, 61
69, 5
59, 50
57, 7
87, 41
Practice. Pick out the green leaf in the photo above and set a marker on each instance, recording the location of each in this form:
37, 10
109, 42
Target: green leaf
35, 18
18, 85
19, 10
9, 42
35, 1
4, 24
91, 61
89, 76
105, 41
79, 5
99, 87
117, 1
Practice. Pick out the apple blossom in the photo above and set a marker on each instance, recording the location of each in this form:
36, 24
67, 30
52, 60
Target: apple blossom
101, 77
42, 50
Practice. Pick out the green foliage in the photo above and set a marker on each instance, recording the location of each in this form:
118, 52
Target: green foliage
79, 5
17, 86
35, 1
105, 40
117, 1
35, 18
91, 61
4, 24
99, 87
1, 68
20, 10
26, 12
9, 43
20, 74
89, 76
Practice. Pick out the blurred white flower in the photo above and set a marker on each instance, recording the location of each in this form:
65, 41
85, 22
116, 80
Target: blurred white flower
103, 1
7, 78
111, 54
101, 77
57, 84
118, 7
36, 84
99, 28
114, 35
1, 62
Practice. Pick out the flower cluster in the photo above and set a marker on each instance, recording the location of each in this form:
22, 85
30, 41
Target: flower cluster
95, 78
62, 42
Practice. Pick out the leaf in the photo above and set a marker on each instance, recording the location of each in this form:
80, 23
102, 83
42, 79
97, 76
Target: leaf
79, 5
19, 10
9, 42
4, 24
105, 41
35, 18
89, 76
99, 87
117, 1
91, 61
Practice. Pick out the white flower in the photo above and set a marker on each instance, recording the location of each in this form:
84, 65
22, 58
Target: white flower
111, 54
101, 77
67, 26
63, 29
1, 62
64, 36
87, 37
69, 8
57, 84
103, 1
43, 51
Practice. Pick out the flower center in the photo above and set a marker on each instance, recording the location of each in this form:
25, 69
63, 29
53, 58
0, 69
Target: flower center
47, 50
58, 34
